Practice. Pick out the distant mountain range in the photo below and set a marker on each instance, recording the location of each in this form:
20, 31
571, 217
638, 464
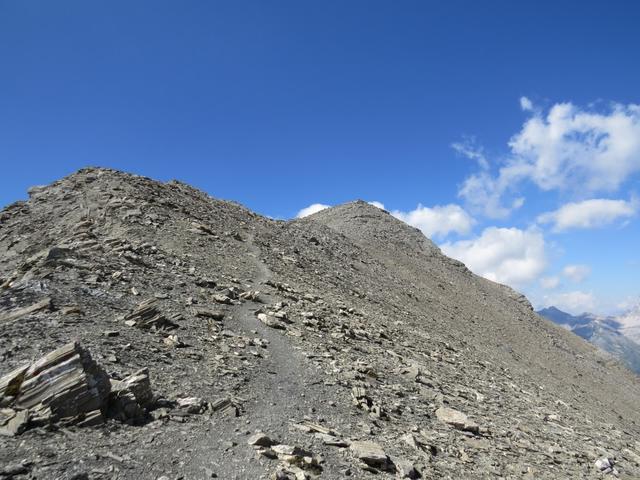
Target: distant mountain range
630, 323
619, 336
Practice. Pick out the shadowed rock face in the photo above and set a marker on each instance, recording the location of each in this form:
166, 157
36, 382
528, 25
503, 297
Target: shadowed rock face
346, 338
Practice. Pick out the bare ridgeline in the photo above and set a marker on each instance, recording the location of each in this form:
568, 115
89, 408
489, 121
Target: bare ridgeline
150, 331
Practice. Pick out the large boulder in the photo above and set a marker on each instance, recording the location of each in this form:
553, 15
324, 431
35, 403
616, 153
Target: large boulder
65, 384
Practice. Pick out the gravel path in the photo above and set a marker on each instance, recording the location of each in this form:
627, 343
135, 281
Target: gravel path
285, 387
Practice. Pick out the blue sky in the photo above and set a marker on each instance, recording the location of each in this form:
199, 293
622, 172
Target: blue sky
505, 130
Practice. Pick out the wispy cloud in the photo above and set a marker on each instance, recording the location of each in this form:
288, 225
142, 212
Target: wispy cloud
549, 283
484, 193
526, 104
576, 273
469, 148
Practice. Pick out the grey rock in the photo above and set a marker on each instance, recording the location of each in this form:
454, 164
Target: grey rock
332, 440
371, 454
271, 321
148, 315
12, 422
406, 469
130, 398
456, 419
17, 313
65, 383
13, 469
260, 440
192, 404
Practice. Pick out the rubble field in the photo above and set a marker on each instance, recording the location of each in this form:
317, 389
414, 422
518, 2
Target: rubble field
149, 331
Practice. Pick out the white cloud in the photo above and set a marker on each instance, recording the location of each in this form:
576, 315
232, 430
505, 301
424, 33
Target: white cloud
575, 302
484, 193
311, 209
572, 145
506, 255
437, 221
592, 213
380, 205
568, 149
549, 283
526, 104
576, 273
469, 148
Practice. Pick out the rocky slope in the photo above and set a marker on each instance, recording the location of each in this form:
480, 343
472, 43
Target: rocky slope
342, 345
606, 333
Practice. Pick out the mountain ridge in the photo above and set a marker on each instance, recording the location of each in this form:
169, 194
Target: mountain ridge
361, 326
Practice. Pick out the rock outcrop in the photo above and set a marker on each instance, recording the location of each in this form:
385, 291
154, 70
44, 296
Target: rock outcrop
64, 385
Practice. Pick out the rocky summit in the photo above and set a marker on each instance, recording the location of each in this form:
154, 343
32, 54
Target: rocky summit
149, 331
